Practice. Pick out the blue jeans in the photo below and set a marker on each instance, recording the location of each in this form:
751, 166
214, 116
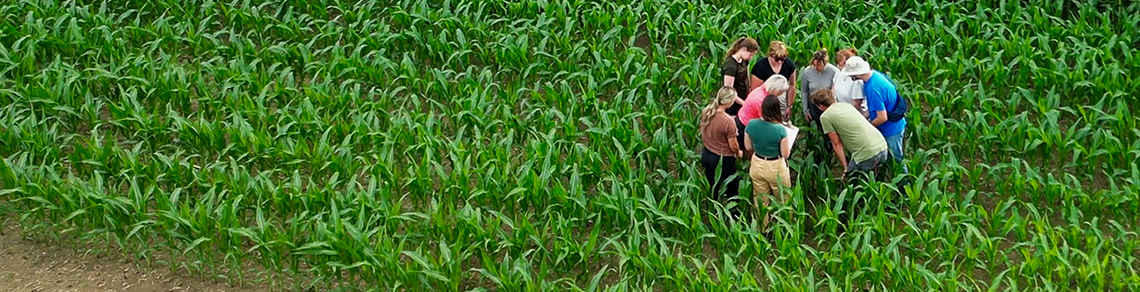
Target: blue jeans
895, 145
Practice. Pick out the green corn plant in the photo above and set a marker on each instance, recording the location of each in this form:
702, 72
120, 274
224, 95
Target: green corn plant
549, 145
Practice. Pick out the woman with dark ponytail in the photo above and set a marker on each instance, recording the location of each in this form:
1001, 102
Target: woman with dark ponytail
768, 138
735, 72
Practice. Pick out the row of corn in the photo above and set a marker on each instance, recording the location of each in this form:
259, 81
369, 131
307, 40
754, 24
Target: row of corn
549, 145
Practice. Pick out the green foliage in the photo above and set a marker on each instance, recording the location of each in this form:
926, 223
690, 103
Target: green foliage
549, 145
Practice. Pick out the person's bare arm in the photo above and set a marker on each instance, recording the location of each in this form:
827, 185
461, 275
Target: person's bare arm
880, 118
837, 144
791, 95
756, 82
804, 84
785, 147
735, 147
747, 142
729, 81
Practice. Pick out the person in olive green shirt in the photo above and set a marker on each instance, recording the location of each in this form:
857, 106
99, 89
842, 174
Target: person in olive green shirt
769, 140
849, 130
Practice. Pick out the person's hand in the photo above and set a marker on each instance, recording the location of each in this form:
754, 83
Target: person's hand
807, 117
739, 153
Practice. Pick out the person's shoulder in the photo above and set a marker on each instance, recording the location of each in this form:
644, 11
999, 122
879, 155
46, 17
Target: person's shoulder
727, 122
880, 76
877, 81
874, 77
847, 109
829, 112
757, 93
754, 123
725, 118
729, 62
759, 64
831, 68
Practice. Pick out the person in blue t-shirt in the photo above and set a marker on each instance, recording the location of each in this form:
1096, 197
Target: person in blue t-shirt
880, 96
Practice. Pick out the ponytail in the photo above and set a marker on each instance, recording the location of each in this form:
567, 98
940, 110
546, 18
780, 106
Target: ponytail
725, 95
742, 43
846, 53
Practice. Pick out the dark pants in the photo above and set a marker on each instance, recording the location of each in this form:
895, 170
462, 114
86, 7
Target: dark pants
733, 109
720, 183
858, 175
739, 132
825, 152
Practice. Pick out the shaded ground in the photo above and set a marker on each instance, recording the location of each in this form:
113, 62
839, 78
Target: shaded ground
32, 266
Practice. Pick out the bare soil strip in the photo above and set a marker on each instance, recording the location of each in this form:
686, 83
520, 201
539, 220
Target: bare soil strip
32, 266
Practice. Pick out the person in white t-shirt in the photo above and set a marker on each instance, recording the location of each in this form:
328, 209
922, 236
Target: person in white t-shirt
848, 90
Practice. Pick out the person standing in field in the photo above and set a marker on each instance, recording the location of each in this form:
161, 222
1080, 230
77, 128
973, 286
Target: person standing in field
721, 149
768, 139
818, 75
777, 63
734, 70
847, 89
881, 95
776, 85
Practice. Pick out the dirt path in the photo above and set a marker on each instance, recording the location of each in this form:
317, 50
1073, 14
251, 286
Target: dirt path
31, 266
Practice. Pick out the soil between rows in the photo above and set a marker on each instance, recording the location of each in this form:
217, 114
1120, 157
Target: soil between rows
28, 265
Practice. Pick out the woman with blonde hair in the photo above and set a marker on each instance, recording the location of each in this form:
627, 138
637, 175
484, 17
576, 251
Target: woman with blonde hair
769, 140
848, 90
721, 148
734, 69
776, 85
777, 63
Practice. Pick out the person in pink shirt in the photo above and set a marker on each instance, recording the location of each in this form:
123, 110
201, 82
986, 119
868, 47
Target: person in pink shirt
777, 85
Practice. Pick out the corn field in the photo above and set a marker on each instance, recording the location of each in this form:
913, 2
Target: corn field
549, 145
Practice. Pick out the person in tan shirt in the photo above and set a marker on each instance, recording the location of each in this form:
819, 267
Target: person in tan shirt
718, 134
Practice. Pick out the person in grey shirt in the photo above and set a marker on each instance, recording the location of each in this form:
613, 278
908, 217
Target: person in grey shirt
819, 74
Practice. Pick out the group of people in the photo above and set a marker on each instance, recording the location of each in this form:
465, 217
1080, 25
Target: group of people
750, 117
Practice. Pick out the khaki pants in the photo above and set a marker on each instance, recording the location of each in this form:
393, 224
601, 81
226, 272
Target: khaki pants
767, 177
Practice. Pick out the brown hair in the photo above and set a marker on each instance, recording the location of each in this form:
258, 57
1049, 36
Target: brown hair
846, 53
770, 109
820, 55
725, 95
777, 49
823, 97
742, 43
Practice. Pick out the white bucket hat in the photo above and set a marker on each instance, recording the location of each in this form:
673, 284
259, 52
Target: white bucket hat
856, 66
